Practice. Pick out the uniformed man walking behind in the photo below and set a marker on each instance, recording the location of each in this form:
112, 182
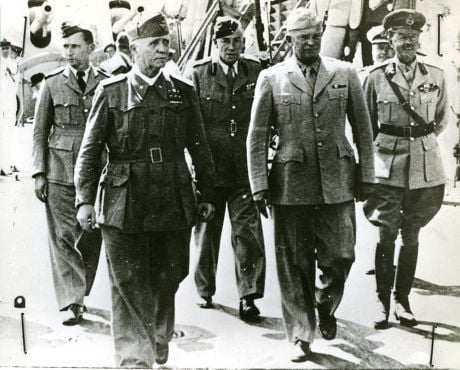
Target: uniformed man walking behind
313, 180
408, 107
60, 116
226, 90
144, 203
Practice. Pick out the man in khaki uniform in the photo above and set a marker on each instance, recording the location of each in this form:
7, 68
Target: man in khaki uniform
144, 201
314, 178
408, 106
62, 109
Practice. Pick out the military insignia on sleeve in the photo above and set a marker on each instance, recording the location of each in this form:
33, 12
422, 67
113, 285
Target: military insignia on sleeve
427, 87
250, 86
174, 96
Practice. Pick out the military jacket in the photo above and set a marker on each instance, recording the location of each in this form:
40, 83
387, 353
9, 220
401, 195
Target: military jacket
314, 163
226, 113
146, 185
402, 161
59, 123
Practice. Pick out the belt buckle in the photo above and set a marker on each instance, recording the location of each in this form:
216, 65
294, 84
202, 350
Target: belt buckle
155, 155
408, 129
233, 128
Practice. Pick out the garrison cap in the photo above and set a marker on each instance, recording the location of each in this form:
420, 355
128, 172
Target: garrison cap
68, 29
147, 26
302, 18
377, 35
404, 18
5, 43
226, 26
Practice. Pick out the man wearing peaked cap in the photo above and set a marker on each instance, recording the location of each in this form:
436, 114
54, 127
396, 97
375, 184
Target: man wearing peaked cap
314, 178
408, 106
381, 48
144, 201
62, 108
226, 89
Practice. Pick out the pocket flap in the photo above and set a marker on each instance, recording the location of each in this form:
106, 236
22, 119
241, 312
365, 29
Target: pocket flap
385, 99
65, 100
386, 142
113, 180
338, 93
61, 142
344, 150
286, 99
429, 142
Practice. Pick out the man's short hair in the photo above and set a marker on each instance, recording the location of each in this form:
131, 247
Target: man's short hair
302, 18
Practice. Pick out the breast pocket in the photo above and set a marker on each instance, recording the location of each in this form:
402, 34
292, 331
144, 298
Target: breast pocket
110, 202
432, 157
384, 155
388, 108
428, 102
61, 158
211, 104
338, 98
67, 110
287, 106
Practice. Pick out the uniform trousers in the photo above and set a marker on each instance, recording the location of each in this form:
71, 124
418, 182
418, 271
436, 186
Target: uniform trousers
247, 242
74, 252
307, 237
145, 270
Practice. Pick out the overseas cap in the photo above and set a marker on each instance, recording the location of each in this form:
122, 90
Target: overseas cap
226, 26
68, 29
376, 35
302, 18
147, 26
5, 43
404, 18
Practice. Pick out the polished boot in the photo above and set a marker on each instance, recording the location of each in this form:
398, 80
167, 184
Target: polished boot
248, 310
384, 277
405, 274
327, 322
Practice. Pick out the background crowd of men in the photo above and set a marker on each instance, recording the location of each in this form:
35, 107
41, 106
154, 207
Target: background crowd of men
109, 161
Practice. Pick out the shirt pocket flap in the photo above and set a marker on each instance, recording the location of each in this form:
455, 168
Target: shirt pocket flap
113, 180
338, 93
386, 142
61, 142
289, 154
286, 99
65, 100
429, 142
385, 99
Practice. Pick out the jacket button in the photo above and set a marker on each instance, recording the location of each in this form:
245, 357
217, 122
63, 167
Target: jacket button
318, 130
320, 144
411, 93
66, 105
412, 124
233, 107
85, 110
85, 97
316, 115
208, 98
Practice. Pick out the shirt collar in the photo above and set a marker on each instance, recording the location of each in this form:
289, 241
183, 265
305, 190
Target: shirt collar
149, 80
225, 67
403, 66
75, 71
314, 65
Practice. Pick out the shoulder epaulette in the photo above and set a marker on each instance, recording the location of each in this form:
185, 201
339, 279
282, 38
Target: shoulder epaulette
102, 72
55, 72
201, 62
423, 65
113, 79
183, 80
251, 57
382, 65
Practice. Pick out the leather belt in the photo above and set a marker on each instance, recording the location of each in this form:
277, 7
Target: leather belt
407, 131
154, 155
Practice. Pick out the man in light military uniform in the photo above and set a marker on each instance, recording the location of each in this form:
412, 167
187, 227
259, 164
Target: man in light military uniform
62, 109
408, 106
314, 178
226, 90
145, 204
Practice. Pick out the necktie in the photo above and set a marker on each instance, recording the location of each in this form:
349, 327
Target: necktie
408, 75
230, 75
81, 80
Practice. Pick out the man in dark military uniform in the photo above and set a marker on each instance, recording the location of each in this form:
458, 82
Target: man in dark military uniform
314, 178
62, 109
144, 200
226, 90
408, 107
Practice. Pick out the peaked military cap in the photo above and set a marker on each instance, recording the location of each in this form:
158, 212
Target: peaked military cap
404, 18
302, 18
5, 43
68, 29
147, 26
377, 35
226, 26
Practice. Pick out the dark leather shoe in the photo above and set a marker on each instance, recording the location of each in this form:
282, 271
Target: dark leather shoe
383, 309
301, 351
327, 322
404, 314
248, 310
206, 302
161, 353
76, 312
